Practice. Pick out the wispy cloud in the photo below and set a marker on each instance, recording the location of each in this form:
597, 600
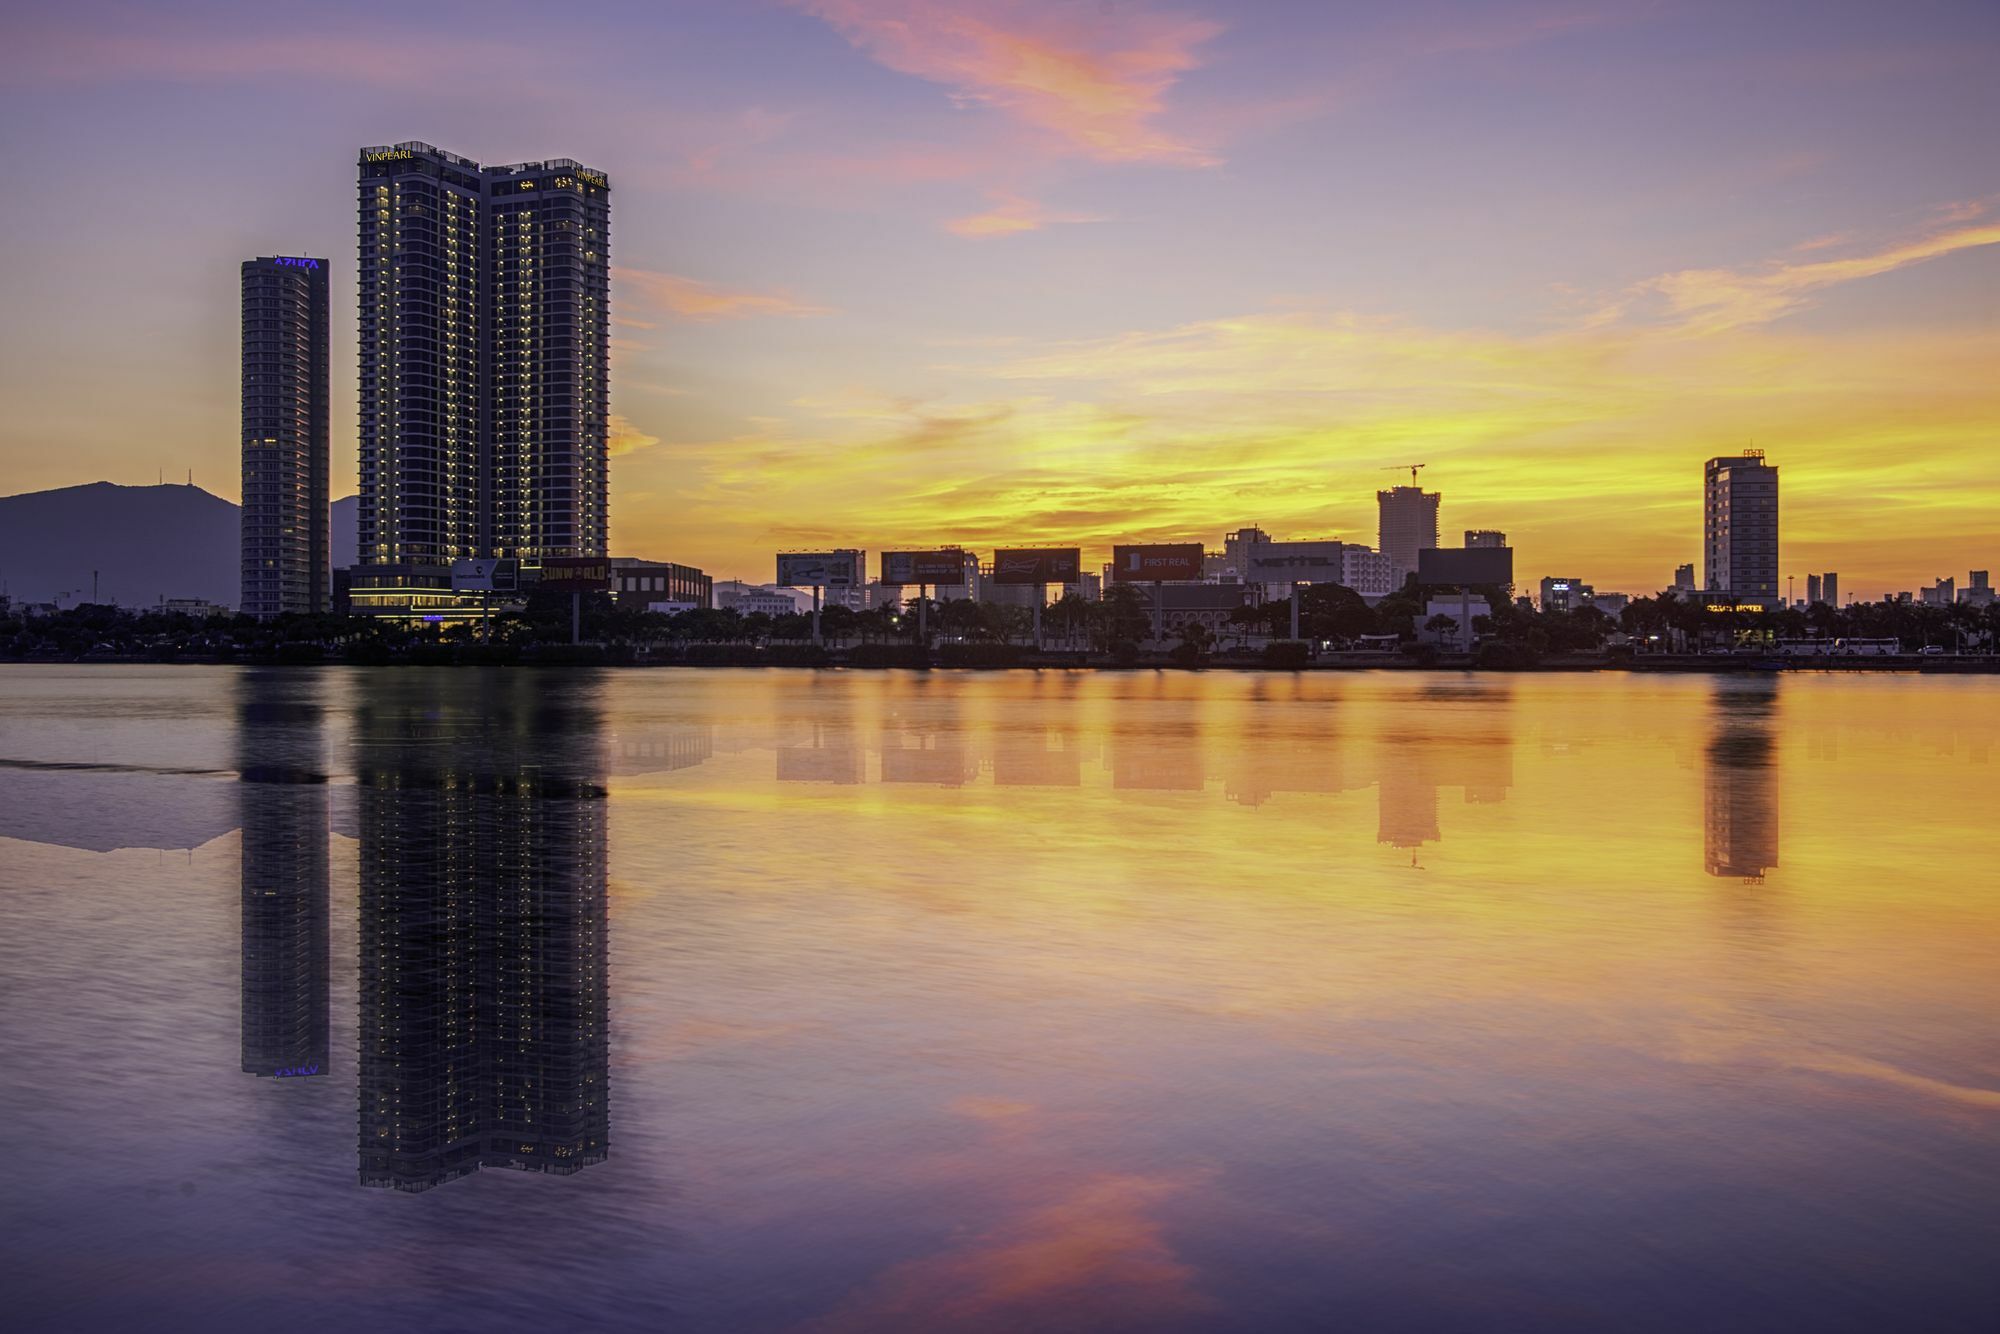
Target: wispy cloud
1009, 214
1705, 301
693, 299
1097, 87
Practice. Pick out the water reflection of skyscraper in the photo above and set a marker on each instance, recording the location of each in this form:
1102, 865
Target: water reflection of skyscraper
1740, 788
1467, 742
483, 983
282, 802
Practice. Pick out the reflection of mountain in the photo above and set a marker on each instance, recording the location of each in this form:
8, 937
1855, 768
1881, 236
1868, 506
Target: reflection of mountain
1740, 788
484, 991
101, 808
282, 798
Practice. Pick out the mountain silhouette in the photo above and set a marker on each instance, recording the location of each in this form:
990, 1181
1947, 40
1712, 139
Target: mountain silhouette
145, 543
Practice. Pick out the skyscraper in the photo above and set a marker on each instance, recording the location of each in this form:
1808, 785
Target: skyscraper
485, 339
1829, 588
285, 521
1812, 590
1684, 578
1485, 538
1408, 524
1740, 516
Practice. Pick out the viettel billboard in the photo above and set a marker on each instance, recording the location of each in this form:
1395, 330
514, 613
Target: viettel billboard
946, 566
1038, 565
1162, 562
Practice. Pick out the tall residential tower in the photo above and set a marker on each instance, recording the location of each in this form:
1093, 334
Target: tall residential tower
285, 531
1740, 522
485, 340
1409, 524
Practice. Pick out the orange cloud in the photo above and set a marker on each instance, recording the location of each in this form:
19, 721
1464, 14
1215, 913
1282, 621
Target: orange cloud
627, 438
692, 299
1096, 88
1011, 214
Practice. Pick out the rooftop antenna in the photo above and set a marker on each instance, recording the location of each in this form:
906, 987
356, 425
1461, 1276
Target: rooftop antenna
1413, 467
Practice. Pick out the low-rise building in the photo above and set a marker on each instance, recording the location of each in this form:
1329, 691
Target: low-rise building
648, 581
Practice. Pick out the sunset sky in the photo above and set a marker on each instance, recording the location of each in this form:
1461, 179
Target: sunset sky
914, 272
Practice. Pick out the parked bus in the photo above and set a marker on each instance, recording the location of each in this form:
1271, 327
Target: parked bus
1867, 648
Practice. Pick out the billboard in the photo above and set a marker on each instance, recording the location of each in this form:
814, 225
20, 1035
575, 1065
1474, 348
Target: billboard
576, 574
1038, 565
1465, 566
1294, 563
820, 569
924, 567
487, 574
1163, 562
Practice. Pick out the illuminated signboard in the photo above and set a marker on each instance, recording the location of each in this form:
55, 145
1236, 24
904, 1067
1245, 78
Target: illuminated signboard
576, 574
389, 155
924, 567
295, 262
1161, 563
595, 178
1732, 606
1038, 565
820, 569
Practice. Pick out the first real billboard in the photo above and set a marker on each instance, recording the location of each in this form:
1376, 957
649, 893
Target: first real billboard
1038, 565
946, 566
819, 569
1157, 563
1465, 566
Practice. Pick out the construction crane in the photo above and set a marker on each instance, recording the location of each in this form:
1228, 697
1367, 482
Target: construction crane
1413, 467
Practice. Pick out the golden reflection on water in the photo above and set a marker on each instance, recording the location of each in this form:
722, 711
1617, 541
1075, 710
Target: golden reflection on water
1126, 948
1139, 1001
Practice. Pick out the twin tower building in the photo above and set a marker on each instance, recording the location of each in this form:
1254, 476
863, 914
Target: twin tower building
484, 323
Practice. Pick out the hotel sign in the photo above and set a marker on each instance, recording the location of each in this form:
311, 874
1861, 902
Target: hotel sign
389, 155
292, 262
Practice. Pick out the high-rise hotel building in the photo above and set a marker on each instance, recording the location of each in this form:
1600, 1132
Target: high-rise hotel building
1740, 528
286, 474
485, 341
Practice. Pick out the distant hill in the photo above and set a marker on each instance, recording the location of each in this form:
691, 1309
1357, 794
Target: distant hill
346, 532
145, 542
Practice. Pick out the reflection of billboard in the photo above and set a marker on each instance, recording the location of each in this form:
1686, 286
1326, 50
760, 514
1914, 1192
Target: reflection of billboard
576, 574
1162, 562
488, 574
924, 567
1038, 565
820, 569
1465, 565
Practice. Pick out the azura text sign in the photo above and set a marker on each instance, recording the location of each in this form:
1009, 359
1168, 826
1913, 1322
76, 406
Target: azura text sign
1162, 563
295, 262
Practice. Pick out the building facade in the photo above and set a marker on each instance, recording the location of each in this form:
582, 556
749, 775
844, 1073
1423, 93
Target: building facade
1740, 519
1408, 523
648, 581
1485, 537
1684, 578
286, 520
484, 349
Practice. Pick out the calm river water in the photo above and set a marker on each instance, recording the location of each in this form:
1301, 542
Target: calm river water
1012, 1001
